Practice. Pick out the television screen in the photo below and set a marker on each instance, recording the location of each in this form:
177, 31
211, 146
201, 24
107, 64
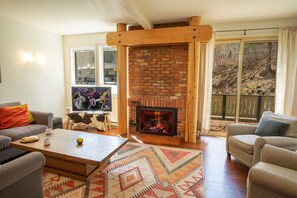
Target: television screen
91, 98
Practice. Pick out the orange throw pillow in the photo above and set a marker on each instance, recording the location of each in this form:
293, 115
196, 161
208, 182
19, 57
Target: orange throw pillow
30, 116
13, 117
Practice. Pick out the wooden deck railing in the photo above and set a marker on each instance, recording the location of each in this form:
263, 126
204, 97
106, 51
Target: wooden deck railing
251, 106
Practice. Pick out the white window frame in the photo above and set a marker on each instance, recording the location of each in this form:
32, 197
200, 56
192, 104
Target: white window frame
114, 88
99, 67
72, 58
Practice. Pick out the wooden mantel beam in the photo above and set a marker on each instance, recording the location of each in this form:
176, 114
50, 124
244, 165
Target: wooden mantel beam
174, 35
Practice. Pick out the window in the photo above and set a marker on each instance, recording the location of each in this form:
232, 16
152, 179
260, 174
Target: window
243, 81
94, 65
110, 66
84, 66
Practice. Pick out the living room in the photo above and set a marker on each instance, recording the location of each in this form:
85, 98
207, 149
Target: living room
37, 66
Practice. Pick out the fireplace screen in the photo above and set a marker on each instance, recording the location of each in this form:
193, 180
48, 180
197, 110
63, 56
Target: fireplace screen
156, 120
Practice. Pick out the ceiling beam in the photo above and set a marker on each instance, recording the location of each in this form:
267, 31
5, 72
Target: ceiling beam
133, 8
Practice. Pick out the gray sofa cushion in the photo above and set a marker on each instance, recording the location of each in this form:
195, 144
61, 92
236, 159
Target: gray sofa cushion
9, 153
4, 142
9, 104
292, 121
244, 142
17, 133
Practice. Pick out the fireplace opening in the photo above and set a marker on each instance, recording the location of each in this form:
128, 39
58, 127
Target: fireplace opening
156, 120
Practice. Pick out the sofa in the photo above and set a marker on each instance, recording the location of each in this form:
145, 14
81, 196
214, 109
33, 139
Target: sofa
275, 176
43, 120
23, 177
245, 144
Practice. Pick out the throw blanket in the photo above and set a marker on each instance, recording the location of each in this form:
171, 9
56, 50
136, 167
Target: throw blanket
86, 120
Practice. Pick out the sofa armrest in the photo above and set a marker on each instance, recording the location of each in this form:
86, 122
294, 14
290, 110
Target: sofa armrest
44, 118
279, 156
4, 141
19, 168
288, 143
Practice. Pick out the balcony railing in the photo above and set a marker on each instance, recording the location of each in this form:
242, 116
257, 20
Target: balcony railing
251, 106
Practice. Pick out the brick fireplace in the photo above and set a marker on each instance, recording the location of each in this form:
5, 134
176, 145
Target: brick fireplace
157, 77
163, 70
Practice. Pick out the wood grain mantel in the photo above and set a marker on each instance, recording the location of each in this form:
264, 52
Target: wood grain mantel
174, 35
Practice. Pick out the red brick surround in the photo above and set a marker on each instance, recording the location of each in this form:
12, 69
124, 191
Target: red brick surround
157, 76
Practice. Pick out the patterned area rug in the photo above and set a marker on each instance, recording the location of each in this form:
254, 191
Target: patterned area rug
138, 170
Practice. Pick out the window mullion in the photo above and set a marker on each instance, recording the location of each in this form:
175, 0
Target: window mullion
97, 68
239, 77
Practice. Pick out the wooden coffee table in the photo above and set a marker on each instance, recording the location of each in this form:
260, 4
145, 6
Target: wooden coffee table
65, 157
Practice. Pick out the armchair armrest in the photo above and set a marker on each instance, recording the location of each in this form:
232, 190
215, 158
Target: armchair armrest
288, 143
19, 168
44, 118
279, 156
240, 129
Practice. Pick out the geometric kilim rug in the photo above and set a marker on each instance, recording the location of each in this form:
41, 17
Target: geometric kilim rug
138, 170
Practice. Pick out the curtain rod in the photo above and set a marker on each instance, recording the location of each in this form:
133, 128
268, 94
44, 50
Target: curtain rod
244, 30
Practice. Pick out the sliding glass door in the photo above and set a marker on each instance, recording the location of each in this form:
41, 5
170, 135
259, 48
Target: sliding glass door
224, 89
243, 81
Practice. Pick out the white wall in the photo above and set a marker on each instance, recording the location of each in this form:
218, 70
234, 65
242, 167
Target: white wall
39, 85
84, 40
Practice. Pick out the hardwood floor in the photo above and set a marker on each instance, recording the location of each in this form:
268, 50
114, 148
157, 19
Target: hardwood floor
224, 177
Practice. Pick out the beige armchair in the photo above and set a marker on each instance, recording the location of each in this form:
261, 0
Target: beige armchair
275, 176
246, 146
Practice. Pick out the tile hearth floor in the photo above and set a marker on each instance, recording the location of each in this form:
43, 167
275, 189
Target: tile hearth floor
224, 177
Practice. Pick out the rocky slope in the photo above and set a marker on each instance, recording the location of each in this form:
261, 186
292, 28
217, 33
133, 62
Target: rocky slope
258, 72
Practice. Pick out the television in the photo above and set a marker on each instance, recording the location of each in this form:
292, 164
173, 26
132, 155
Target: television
90, 98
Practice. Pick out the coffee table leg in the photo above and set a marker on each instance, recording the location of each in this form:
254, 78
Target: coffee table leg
101, 168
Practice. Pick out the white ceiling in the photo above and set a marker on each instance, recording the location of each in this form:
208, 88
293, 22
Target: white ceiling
88, 16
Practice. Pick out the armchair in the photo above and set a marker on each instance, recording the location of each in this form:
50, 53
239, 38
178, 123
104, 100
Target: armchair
246, 146
23, 177
275, 176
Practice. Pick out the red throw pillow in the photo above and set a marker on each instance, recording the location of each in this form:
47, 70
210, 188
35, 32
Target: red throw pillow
13, 117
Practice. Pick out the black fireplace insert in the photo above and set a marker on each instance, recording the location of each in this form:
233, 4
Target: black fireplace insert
156, 120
